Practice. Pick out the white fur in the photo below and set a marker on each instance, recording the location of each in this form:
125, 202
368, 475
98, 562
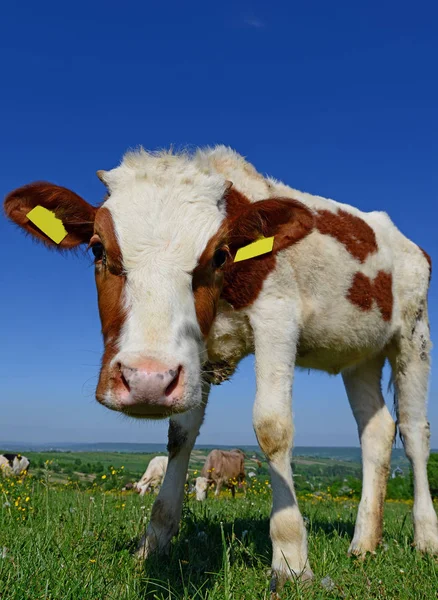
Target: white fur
165, 210
19, 466
376, 431
201, 488
5, 467
153, 476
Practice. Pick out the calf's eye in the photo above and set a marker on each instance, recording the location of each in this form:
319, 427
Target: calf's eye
219, 258
98, 251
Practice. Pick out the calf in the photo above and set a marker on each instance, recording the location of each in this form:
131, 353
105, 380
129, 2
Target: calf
221, 468
200, 261
13, 464
153, 476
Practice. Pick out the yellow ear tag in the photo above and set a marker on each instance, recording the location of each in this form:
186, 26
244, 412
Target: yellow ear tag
262, 246
49, 224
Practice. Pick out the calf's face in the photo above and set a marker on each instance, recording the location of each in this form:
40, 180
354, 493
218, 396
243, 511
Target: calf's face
163, 243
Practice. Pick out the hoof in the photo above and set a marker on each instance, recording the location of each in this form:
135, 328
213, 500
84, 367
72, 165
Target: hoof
361, 549
427, 545
279, 579
143, 549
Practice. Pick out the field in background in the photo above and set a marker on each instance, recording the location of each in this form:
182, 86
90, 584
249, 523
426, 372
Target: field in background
315, 469
67, 532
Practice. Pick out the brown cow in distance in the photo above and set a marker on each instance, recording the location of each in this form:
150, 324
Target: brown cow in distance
222, 467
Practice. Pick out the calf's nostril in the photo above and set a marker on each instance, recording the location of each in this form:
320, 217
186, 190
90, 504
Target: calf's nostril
125, 383
121, 373
175, 380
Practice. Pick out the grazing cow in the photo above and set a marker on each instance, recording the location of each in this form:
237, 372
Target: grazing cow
129, 486
153, 476
201, 261
221, 468
13, 464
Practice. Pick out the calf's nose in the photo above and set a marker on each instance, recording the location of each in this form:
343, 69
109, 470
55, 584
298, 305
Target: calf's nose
151, 381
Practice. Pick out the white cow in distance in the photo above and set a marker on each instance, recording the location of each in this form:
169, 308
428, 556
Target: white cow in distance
153, 476
13, 464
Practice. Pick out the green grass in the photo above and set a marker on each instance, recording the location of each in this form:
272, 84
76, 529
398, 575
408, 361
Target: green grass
72, 544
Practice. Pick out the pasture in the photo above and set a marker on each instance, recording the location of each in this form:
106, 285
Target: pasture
65, 537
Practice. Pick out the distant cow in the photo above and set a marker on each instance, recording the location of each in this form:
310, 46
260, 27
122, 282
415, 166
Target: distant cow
153, 476
13, 464
222, 468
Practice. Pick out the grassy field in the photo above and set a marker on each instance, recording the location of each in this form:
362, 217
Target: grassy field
60, 542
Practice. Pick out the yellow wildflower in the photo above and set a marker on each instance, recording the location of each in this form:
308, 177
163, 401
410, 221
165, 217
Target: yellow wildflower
103, 476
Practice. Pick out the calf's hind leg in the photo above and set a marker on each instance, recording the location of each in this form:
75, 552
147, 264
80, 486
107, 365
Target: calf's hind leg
410, 365
376, 432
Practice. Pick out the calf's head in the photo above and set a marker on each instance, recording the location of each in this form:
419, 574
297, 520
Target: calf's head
163, 241
201, 488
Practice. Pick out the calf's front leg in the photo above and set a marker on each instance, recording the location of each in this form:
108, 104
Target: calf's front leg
275, 339
167, 508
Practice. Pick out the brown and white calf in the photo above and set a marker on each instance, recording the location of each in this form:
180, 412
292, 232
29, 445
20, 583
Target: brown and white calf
153, 477
341, 291
222, 467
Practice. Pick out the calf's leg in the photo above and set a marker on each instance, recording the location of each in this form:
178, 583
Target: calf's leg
411, 365
275, 337
167, 508
376, 432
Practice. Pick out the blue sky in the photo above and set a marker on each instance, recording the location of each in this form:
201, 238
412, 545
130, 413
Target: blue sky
338, 99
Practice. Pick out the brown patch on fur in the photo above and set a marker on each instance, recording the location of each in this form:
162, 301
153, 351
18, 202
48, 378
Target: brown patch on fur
177, 437
351, 231
207, 284
110, 299
363, 291
273, 437
110, 284
288, 220
240, 283
236, 202
75, 213
383, 294
104, 228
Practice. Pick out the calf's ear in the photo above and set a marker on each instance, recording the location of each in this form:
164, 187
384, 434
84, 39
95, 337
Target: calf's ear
287, 220
51, 213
